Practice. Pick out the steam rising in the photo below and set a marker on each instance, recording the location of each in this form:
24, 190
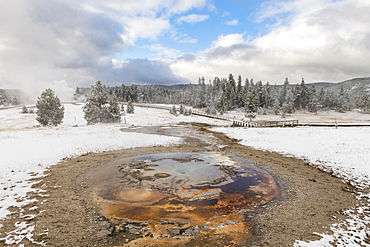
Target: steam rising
62, 45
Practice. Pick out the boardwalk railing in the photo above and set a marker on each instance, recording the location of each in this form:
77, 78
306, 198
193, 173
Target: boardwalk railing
194, 112
235, 123
163, 107
203, 114
251, 124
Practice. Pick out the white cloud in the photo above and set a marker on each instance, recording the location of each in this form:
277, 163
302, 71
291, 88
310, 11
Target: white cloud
274, 9
180, 6
144, 27
118, 64
234, 22
224, 14
182, 38
319, 40
164, 52
146, 7
228, 40
46, 41
188, 40
143, 71
193, 18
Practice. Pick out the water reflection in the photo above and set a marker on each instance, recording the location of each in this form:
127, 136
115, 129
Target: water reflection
189, 190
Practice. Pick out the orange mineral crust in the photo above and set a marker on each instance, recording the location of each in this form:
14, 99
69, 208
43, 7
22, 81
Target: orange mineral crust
176, 198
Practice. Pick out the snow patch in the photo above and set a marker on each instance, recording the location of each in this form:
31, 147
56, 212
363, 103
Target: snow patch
344, 152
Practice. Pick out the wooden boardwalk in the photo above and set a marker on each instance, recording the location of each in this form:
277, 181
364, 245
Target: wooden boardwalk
194, 112
265, 124
259, 124
338, 124
233, 122
197, 113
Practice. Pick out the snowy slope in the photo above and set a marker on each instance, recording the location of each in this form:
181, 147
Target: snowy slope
344, 152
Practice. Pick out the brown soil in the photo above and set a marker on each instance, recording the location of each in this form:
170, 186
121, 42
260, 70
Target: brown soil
310, 200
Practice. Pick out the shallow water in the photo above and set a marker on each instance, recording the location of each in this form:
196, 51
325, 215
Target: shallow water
195, 188
182, 196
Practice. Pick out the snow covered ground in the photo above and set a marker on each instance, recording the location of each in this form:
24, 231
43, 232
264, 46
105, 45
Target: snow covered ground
27, 150
344, 152
330, 116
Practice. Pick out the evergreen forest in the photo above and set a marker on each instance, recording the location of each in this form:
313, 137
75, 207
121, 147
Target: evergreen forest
225, 94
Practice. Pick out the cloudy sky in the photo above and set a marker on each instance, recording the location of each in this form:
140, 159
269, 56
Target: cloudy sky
64, 44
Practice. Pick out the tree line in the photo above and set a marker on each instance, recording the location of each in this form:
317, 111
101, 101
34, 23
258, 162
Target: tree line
216, 97
225, 94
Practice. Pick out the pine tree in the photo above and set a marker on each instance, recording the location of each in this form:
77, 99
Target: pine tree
322, 95
95, 109
301, 95
275, 102
364, 102
24, 109
284, 92
304, 95
239, 93
224, 101
173, 110
49, 109
297, 96
99, 109
230, 96
232, 101
182, 109
276, 106
267, 93
312, 99
187, 112
251, 106
342, 102
201, 96
260, 94
246, 88
114, 110
289, 101
130, 108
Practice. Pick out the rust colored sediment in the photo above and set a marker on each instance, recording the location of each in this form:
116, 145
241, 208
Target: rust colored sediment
180, 212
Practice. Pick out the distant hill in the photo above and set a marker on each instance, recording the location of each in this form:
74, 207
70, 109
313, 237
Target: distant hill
355, 86
319, 85
176, 86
